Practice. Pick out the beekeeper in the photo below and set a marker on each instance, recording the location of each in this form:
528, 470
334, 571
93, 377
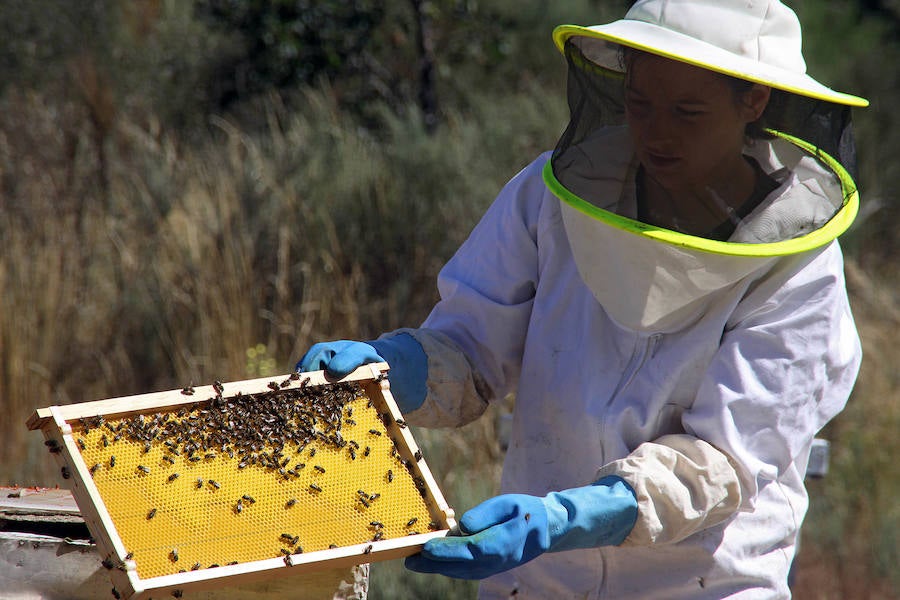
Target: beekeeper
664, 294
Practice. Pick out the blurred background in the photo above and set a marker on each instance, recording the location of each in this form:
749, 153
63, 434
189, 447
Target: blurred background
194, 190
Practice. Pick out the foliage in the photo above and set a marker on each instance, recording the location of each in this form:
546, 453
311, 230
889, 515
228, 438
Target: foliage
288, 43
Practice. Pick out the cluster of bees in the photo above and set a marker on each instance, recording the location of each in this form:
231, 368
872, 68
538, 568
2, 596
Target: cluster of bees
271, 430
240, 425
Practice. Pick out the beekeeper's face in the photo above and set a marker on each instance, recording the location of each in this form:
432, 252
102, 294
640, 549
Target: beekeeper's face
687, 123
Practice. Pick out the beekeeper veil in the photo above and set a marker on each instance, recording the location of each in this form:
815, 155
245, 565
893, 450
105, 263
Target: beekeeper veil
655, 279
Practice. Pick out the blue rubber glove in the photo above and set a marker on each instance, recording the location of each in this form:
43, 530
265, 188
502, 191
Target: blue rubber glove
510, 530
407, 359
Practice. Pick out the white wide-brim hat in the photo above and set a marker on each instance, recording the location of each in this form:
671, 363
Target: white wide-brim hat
755, 40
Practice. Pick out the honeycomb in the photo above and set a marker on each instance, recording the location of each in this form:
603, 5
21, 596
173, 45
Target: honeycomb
251, 477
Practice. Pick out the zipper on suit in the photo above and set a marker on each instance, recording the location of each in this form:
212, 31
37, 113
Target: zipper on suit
639, 357
643, 351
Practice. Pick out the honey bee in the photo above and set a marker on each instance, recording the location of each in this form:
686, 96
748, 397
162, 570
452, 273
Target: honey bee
215, 484
151, 514
390, 476
368, 549
313, 486
319, 469
94, 468
290, 503
239, 507
65, 473
112, 461
412, 522
249, 499
174, 554
144, 469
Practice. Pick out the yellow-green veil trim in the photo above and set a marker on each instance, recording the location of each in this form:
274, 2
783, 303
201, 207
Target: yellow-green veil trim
815, 239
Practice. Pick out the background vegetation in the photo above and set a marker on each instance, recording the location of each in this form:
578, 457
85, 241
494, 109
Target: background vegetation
199, 190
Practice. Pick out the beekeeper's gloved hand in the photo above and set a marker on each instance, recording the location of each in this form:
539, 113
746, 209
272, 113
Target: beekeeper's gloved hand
510, 530
407, 359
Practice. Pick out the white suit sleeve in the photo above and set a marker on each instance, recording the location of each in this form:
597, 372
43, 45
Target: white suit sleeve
682, 485
786, 365
487, 291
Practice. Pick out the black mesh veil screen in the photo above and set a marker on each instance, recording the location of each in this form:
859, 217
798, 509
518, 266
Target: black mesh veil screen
596, 101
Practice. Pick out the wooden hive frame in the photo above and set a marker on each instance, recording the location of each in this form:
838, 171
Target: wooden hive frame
60, 427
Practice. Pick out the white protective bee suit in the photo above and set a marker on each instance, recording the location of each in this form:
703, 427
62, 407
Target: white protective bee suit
706, 408
698, 371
